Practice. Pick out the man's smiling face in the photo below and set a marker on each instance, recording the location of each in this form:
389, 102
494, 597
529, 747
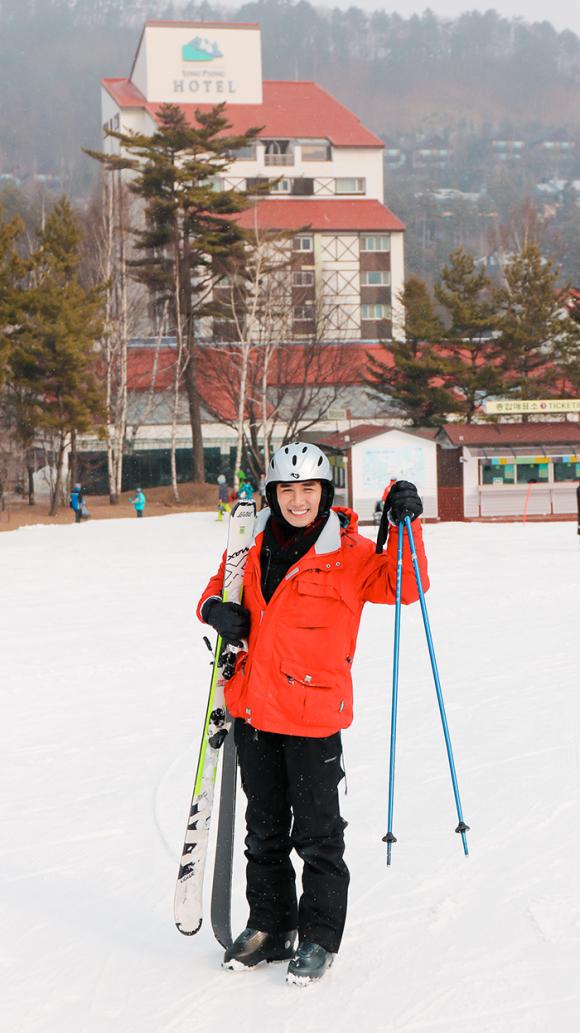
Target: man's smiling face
299, 501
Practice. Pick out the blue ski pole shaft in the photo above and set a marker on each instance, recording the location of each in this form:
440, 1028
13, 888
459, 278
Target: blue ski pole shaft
389, 839
462, 827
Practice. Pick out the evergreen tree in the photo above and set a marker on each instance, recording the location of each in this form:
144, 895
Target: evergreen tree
188, 231
537, 334
53, 363
464, 291
414, 373
10, 273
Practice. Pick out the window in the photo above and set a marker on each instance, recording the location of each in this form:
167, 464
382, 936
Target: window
375, 312
337, 469
567, 468
302, 186
217, 184
281, 186
375, 243
303, 243
114, 123
303, 278
350, 186
278, 152
375, 278
247, 153
256, 183
497, 471
302, 313
316, 150
529, 470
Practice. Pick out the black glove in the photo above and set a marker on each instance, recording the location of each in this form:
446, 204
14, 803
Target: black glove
230, 620
402, 501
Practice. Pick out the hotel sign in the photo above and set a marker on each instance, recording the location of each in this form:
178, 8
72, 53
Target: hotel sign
204, 73
199, 63
520, 407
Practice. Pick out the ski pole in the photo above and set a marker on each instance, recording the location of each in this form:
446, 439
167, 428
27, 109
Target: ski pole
389, 839
462, 827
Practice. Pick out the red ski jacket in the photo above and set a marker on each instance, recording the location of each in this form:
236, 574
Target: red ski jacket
295, 678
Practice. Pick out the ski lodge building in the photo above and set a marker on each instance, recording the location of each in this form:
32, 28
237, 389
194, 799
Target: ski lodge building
327, 167
346, 258
326, 194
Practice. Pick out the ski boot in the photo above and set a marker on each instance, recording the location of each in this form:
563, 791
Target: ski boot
309, 963
253, 946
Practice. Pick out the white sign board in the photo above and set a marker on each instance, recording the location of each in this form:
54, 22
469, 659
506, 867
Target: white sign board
199, 63
540, 405
380, 465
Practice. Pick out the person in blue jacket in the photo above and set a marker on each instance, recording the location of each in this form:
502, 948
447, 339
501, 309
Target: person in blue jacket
246, 490
138, 502
76, 502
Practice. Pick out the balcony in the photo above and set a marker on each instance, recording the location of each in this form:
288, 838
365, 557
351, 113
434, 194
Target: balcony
279, 159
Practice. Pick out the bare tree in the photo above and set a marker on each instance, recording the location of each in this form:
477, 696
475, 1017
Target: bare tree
265, 379
109, 224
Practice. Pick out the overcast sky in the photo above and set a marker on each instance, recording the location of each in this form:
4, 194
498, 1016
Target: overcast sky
563, 14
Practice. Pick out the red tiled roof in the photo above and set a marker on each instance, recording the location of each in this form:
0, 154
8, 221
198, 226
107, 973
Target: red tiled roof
140, 365
338, 363
560, 433
365, 431
288, 110
125, 93
327, 214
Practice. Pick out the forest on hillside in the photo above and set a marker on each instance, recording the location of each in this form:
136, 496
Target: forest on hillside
420, 73
456, 85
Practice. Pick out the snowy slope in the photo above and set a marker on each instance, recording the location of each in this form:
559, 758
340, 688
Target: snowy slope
103, 690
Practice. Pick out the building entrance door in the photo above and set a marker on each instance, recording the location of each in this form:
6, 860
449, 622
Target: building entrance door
450, 484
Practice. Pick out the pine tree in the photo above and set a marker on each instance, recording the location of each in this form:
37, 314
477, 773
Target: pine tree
537, 334
11, 270
188, 230
53, 364
464, 292
414, 373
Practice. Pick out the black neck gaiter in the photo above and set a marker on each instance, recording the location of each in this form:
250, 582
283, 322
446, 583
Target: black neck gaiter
282, 546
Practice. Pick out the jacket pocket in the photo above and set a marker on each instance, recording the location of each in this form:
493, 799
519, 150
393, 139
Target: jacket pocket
315, 696
316, 605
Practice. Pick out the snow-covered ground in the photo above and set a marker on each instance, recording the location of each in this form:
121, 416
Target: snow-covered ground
104, 678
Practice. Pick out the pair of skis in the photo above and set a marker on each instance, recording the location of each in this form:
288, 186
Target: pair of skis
188, 905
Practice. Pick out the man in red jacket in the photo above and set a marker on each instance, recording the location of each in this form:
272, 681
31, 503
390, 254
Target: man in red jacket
307, 578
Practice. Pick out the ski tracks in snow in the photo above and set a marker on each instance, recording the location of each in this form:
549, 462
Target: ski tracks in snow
101, 724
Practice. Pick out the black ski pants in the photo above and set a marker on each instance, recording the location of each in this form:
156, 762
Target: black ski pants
291, 784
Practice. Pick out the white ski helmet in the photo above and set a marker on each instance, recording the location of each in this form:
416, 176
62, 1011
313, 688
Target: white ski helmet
298, 462
221, 479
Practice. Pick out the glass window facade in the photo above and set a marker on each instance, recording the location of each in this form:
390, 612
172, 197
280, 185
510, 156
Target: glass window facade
497, 472
375, 242
567, 468
316, 150
349, 185
532, 471
522, 470
303, 278
375, 278
375, 312
303, 313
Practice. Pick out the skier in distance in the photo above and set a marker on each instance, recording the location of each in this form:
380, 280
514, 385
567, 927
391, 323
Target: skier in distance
308, 574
